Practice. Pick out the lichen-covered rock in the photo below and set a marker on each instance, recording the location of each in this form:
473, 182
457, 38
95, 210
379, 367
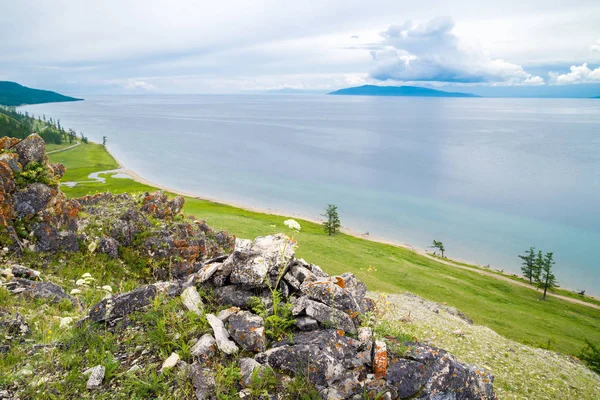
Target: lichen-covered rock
12, 160
247, 368
307, 323
204, 348
158, 205
325, 314
96, 377
38, 290
247, 330
427, 372
109, 246
204, 382
332, 293
32, 199
26, 273
267, 253
221, 336
192, 301
233, 295
123, 304
32, 148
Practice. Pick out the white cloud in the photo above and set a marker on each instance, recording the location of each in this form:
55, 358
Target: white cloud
432, 52
595, 48
578, 74
134, 84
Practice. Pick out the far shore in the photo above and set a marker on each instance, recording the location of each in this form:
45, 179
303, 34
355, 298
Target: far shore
505, 276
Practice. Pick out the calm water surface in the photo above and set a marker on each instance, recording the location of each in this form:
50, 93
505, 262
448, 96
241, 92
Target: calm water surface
488, 177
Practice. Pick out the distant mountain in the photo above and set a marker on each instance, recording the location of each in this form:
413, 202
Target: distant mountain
13, 94
596, 97
414, 91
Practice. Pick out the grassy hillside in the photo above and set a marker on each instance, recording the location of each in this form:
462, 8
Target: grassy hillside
13, 94
515, 312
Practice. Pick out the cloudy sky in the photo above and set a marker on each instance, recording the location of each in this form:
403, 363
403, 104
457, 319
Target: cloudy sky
230, 46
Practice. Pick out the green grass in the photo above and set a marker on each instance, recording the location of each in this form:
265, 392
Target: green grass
515, 312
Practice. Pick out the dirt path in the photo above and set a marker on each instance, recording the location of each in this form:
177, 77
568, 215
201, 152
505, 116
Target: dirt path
65, 149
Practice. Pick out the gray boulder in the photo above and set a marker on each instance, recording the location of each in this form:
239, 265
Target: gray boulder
109, 246
12, 160
38, 290
248, 331
332, 293
32, 199
26, 273
325, 314
32, 148
233, 295
204, 382
267, 253
126, 303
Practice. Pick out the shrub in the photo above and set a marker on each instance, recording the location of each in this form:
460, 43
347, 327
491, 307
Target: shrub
590, 354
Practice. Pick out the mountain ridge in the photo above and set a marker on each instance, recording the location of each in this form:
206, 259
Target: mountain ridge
400, 91
13, 94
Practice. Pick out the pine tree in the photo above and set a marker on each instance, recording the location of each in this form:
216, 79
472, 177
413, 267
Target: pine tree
437, 244
333, 224
545, 278
529, 267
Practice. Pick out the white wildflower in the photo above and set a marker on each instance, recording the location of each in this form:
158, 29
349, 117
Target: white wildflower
75, 291
92, 247
66, 321
292, 224
86, 275
81, 282
107, 288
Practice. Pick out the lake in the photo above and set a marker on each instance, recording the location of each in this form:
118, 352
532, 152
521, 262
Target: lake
488, 177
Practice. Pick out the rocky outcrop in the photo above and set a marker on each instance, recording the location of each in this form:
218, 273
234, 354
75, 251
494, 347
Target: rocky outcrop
251, 302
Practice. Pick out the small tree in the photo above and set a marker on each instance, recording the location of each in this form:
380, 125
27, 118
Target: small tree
439, 246
529, 268
545, 278
332, 225
104, 141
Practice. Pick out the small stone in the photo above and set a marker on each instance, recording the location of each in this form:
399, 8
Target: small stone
96, 377
192, 301
221, 336
247, 367
170, 362
248, 331
224, 315
205, 347
203, 381
307, 323
380, 359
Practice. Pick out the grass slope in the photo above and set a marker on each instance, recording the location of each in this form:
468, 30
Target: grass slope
512, 311
13, 94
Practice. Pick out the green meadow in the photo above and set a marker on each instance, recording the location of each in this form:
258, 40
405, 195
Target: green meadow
514, 312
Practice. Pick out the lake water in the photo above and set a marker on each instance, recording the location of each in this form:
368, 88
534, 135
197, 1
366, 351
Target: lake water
488, 177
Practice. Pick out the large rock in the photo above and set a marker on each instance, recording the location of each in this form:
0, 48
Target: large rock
248, 331
266, 254
233, 295
332, 293
38, 290
26, 273
32, 199
325, 314
12, 160
204, 382
428, 373
109, 246
221, 336
32, 148
126, 303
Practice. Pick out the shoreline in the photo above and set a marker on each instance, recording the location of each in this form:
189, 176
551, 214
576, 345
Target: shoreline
498, 274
